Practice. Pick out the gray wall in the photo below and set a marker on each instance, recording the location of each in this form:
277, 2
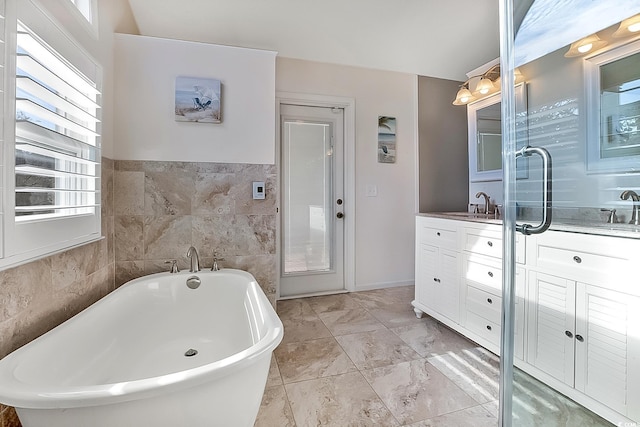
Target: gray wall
443, 153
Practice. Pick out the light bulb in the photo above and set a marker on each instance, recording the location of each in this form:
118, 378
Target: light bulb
464, 99
585, 48
634, 28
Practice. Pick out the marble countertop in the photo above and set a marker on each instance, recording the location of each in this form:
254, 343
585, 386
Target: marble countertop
630, 231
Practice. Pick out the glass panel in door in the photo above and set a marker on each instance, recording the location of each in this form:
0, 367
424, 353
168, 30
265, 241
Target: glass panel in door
579, 357
311, 200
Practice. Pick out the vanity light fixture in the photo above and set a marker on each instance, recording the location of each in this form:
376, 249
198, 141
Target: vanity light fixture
488, 84
464, 95
628, 27
584, 46
484, 87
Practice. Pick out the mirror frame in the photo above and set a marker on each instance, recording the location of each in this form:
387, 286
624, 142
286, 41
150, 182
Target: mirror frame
472, 126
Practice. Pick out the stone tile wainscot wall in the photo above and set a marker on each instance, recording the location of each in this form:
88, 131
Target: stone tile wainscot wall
162, 208
38, 296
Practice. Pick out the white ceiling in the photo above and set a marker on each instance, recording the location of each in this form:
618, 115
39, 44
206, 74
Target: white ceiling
438, 38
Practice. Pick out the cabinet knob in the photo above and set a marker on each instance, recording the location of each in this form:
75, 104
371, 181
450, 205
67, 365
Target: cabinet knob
490, 274
489, 300
577, 259
490, 243
580, 338
568, 333
435, 279
488, 327
438, 233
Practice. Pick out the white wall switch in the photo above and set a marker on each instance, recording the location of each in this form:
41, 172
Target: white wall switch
372, 190
258, 190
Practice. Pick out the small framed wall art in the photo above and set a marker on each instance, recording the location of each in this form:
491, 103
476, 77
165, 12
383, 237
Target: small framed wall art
386, 139
198, 100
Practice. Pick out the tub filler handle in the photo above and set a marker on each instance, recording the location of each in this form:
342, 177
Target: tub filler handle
174, 265
215, 266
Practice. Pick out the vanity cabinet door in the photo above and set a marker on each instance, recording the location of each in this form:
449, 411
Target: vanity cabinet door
438, 286
607, 354
551, 325
448, 284
427, 262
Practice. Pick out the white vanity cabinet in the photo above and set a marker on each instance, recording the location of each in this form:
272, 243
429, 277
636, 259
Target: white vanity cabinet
577, 307
583, 323
437, 270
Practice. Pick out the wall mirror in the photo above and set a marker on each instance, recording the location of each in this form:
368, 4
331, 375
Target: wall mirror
485, 134
613, 109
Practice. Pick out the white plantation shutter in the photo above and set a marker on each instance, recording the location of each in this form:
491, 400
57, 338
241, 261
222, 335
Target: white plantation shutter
56, 137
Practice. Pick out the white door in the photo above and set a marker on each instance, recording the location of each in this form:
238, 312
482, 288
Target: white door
312, 199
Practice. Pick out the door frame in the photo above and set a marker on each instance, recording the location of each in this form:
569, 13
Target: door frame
348, 104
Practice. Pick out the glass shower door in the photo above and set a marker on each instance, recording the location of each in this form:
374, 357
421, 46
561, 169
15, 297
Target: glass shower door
578, 208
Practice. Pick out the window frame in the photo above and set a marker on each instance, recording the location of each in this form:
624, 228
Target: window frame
26, 241
592, 64
88, 23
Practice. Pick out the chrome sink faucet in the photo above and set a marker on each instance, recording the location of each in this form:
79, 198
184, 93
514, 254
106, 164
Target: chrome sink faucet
635, 215
486, 201
195, 262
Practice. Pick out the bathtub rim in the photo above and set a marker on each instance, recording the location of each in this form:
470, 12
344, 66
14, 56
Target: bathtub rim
16, 393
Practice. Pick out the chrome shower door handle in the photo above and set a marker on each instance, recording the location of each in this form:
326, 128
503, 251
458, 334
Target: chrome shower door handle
546, 190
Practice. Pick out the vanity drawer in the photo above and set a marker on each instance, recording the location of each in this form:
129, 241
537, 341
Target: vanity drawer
488, 241
483, 241
599, 260
483, 271
484, 304
443, 234
486, 329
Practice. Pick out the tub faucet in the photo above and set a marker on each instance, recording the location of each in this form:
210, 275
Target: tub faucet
195, 262
635, 215
486, 201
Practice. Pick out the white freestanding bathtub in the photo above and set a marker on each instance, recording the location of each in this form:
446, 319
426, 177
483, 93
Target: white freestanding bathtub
152, 353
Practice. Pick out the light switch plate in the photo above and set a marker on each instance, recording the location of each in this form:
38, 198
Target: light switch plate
258, 190
372, 190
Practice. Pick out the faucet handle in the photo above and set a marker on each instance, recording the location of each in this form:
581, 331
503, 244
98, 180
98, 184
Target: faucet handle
174, 266
216, 258
611, 218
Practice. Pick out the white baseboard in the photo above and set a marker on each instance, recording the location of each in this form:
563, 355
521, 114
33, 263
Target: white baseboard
382, 285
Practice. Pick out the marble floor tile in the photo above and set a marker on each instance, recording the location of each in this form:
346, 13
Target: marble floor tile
275, 409
274, 378
378, 298
295, 309
535, 404
430, 338
312, 359
476, 416
338, 401
416, 390
345, 322
476, 371
376, 348
337, 302
382, 298
397, 315
302, 330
